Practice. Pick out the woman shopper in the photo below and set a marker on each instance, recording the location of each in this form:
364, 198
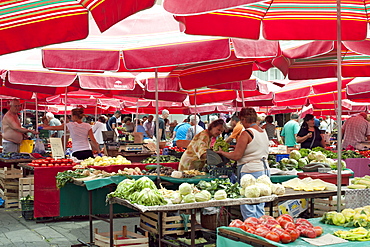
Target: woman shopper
80, 133
196, 152
251, 152
309, 136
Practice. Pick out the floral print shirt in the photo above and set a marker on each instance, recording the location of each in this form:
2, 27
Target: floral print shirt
191, 158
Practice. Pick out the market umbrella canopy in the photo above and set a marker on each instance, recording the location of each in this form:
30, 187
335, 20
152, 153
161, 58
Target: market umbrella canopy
26, 24
318, 59
359, 89
276, 19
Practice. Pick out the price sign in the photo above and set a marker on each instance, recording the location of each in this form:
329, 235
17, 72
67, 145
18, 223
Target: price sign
56, 147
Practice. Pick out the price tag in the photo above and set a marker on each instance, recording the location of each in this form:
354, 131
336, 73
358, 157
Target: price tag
282, 149
56, 147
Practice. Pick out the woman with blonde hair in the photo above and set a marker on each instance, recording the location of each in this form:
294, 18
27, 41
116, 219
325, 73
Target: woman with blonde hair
80, 133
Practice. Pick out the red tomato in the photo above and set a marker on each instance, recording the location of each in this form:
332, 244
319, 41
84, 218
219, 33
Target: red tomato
294, 234
273, 236
266, 217
34, 161
262, 231
279, 231
48, 158
301, 221
69, 160
62, 164
271, 222
251, 230
318, 230
300, 228
252, 220
286, 217
236, 223
309, 232
50, 164
44, 165
285, 237
287, 224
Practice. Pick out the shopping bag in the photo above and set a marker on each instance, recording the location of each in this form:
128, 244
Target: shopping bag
39, 146
26, 146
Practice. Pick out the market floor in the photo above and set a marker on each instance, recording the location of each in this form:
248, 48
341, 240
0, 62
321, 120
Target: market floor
18, 232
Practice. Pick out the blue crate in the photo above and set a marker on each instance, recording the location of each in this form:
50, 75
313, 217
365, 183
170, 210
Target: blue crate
281, 156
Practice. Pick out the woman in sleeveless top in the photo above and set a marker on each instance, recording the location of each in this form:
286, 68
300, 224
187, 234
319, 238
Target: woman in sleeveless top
250, 150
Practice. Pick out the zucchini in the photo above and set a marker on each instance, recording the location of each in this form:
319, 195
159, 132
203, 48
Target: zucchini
151, 167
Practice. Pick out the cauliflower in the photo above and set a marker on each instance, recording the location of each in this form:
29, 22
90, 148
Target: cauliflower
265, 190
264, 179
247, 180
252, 191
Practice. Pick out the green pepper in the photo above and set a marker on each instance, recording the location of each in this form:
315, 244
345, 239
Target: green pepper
339, 219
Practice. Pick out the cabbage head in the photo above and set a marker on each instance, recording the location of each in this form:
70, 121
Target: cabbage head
203, 196
247, 180
318, 156
252, 191
278, 189
302, 162
293, 162
176, 198
189, 198
284, 161
295, 154
220, 195
264, 179
185, 189
265, 190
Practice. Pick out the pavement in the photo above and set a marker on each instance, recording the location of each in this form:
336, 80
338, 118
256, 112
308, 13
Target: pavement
18, 232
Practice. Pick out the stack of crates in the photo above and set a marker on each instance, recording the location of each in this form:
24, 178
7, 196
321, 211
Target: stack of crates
9, 185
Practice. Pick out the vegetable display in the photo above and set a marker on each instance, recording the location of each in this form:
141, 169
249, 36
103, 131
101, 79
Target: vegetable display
262, 186
142, 191
162, 159
67, 176
14, 156
283, 229
105, 161
360, 183
358, 217
51, 162
309, 184
221, 143
232, 190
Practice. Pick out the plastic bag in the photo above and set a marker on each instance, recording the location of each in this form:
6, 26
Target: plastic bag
39, 146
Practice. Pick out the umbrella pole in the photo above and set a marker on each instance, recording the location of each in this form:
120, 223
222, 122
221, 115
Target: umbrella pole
96, 111
37, 113
241, 92
1, 106
195, 111
339, 113
65, 121
137, 115
158, 138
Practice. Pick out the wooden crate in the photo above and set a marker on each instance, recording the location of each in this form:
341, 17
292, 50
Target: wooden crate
11, 202
170, 224
121, 238
323, 205
11, 173
9, 192
26, 187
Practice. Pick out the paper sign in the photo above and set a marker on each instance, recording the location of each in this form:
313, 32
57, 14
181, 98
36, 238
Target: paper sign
282, 149
327, 239
57, 150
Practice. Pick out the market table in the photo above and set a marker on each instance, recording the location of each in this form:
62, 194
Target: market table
184, 206
231, 236
9, 162
49, 201
281, 178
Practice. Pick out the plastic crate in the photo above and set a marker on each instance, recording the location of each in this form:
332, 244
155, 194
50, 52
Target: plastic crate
281, 156
26, 205
216, 172
27, 215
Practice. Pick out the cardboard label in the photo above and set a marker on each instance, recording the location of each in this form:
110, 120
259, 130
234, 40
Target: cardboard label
282, 149
293, 207
57, 150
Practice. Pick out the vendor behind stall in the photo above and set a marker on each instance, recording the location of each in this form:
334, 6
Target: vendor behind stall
80, 133
309, 135
195, 155
251, 151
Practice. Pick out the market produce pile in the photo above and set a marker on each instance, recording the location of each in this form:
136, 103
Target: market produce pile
162, 159
14, 156
105, 161
169, 171
360, 183
358, 217
48, 161
283, 229
142, 191
309, 184
221, 143
309, 160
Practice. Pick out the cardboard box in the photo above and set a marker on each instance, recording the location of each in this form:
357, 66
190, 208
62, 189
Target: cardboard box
293, 207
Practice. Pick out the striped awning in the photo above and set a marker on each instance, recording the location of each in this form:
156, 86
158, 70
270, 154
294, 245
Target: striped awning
278, 19
26, 24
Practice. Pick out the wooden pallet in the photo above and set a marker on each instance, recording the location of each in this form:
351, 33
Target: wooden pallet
11, 202
170, 224
323, 205
121, 238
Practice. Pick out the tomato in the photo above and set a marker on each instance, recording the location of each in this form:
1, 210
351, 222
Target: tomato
262, 231
69, 161
301, 221
271, 222
285, 237
236, 223
287, 224
294, 234
48, 158
34, 161
44, 165
251, 230
285, 217
300, 228
50, 164
252, 220
62, 164
279, 231
266, 217
309, 232
273, 236
318, 230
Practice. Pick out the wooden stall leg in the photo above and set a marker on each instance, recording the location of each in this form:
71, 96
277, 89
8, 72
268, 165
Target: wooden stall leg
192, 225
312, 207
160, 229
